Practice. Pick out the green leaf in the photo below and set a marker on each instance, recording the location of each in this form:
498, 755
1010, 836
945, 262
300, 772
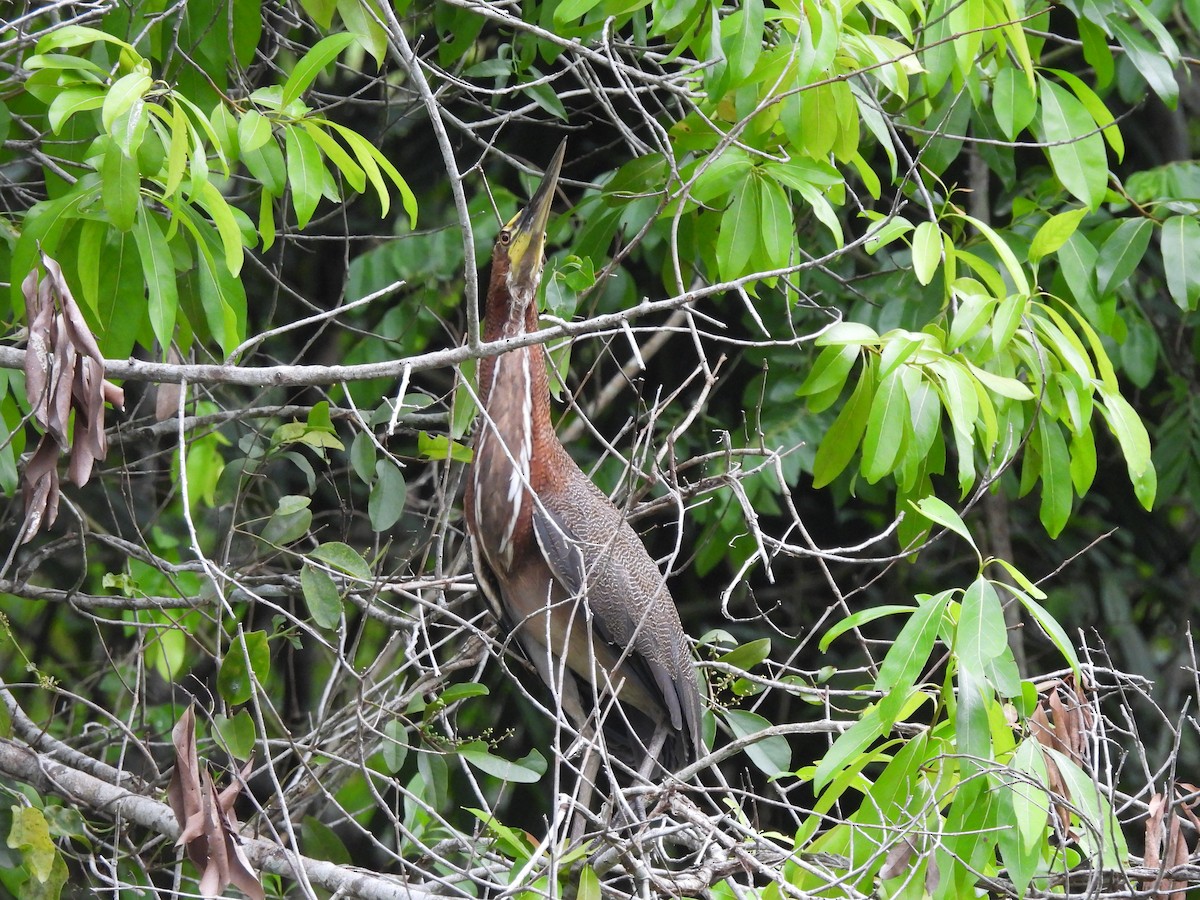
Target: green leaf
344, 558
973, 737
309, 67
778, 227
1077, 156
937, 510
221, 213
1122, 253
1128, 430
1181, 260
235, 680
849, 745
910, 651
236, 734
72, 101
748, 655
122, 95
321, 595
351, 171
319, 841
571, 10
1050, 626
162, 289
439, 446
842, 439
1056, 476
30, 833
738, 234
373, 162
1147, 61
395, 745
831, 369
1092, 806
254, 130
886, 425
743, 51
1014, 102
385, 504
862, 617
1055, 232
1097, 110
528, 770
770, 754
926, 251
119, 188
981, 635
305, 169
289, 522
268, 168
588, 886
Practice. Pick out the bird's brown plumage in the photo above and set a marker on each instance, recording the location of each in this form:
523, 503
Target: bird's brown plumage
560, 565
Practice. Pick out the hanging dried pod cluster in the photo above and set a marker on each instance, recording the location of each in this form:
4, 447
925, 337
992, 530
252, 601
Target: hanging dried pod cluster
209, 829
64, 372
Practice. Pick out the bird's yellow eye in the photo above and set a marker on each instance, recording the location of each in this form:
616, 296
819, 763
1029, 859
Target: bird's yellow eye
505, 237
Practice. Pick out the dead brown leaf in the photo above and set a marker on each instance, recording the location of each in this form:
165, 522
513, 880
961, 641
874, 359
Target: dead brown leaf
208, 826
64, 373
1166, 848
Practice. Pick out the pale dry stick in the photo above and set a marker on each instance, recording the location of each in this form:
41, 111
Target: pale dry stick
257, 339
398, 42
52, 777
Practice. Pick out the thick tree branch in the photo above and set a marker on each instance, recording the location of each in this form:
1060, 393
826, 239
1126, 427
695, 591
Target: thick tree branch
47, 776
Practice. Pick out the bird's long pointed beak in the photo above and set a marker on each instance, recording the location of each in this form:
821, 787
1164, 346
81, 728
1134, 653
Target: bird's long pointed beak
528, 227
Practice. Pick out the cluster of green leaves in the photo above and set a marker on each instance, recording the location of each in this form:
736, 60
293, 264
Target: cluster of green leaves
970, 775
158, 244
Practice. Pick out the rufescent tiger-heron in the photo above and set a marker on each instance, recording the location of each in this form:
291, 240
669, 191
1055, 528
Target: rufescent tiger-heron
562, 569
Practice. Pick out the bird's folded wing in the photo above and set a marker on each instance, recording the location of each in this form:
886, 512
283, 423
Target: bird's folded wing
614, 623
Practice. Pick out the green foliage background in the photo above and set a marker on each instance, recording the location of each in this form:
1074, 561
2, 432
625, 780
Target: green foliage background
900, 304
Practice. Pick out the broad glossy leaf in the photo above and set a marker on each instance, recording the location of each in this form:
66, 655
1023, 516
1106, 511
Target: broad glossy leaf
385, 504
1181, 260
926, 251
973, 735
737, 238
1014, 102
119, 189
122, 95
344, 558
351, 171
830, 370
395, 745
937, 510
981, 635
1055, 509
1096, 108
771, 754
1076, 152
842, 439
528, 770
322, 597
911, 649
1055, 232
309, 67
1147, 59
72, 101
305, 172
162, 290
236, 733
887, 426
247, 660
862, 617
253, 131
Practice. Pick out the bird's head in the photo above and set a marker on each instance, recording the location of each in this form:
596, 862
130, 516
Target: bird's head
519, 252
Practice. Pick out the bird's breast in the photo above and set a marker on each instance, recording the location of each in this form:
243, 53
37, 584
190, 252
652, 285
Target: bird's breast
503, 459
